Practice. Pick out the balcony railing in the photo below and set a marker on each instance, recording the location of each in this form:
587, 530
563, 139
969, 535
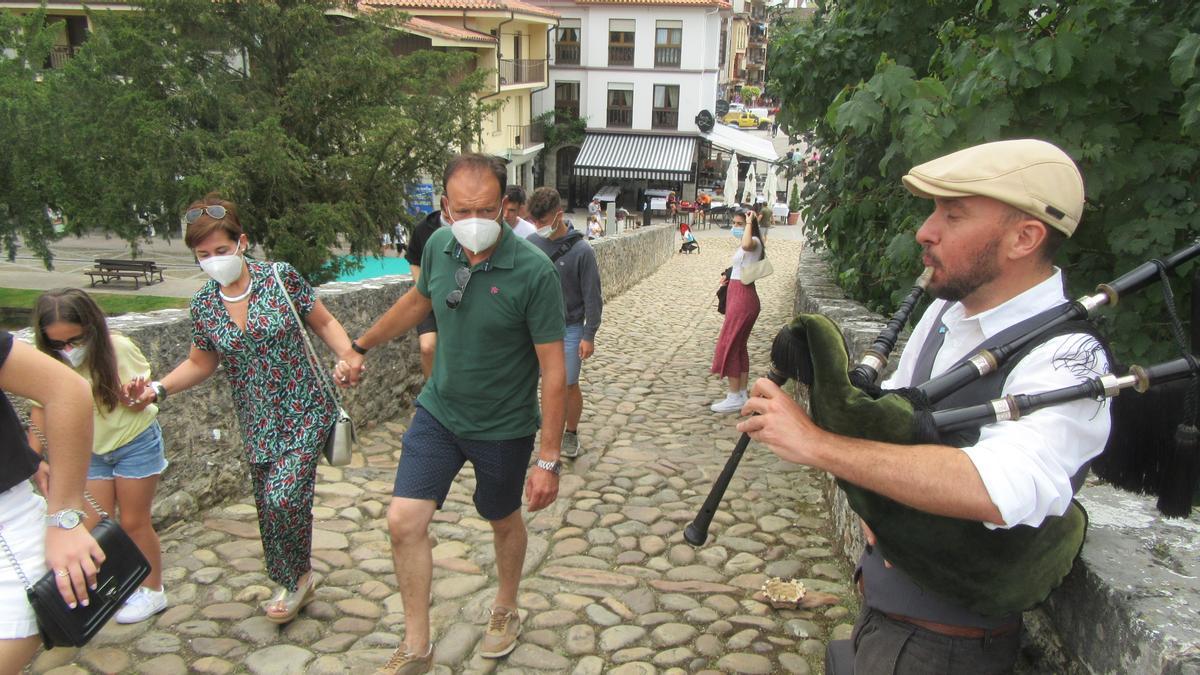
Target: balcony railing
566, 54
667, 57
620, 55
521, 71
526, 136
566, 109
620, 117
665, 118
60, 55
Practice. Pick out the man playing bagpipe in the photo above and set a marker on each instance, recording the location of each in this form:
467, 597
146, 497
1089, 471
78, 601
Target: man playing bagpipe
995, 525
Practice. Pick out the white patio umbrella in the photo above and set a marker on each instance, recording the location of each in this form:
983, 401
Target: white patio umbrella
771, 186
751, 187
729, 195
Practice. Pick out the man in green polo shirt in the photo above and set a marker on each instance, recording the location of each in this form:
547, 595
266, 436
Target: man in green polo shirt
500, 319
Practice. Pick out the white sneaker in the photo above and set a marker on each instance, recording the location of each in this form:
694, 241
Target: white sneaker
732, 403
143, 604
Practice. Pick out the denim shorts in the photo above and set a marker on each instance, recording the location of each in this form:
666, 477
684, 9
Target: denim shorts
571, 352
140, 458
433, 455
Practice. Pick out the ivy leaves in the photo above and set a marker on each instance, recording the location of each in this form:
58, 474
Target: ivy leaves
885, 86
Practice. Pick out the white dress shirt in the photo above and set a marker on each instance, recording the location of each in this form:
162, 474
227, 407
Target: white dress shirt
1026, 465
524, 228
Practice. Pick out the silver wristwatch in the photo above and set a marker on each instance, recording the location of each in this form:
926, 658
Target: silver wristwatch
160, 392
67, 519
552, 467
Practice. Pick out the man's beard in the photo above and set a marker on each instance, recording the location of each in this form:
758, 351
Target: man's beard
983, 269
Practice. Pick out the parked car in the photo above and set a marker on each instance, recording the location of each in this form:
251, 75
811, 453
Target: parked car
746, 120
735, 111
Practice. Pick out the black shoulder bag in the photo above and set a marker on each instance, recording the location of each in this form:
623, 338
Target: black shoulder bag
723, 290
123, 570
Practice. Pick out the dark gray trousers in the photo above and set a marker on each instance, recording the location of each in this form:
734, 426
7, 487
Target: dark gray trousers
883, 645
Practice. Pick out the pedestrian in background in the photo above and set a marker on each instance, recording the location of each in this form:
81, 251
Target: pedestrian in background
242, 322
731, 359
127, 445
583, 304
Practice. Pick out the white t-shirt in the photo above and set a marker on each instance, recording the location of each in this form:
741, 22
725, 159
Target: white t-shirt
742, 257
523, 228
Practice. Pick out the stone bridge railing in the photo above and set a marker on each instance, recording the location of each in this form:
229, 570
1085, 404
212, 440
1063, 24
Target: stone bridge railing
200, 428
1132, 602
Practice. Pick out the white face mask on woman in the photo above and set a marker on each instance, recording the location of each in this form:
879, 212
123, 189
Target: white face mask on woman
76, 356
476, 234
225, 269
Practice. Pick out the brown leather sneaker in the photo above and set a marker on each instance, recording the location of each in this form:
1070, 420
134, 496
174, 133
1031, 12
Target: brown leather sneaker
501, 635
404, 662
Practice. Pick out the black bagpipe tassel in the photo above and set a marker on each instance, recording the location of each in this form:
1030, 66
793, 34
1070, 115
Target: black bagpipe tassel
1180, 473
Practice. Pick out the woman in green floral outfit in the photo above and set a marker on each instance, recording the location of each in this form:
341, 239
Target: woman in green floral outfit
241, 321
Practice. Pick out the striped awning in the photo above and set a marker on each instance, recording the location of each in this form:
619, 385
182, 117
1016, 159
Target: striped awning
636, 156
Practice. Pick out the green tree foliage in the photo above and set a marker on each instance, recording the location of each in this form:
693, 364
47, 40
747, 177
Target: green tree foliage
559, 129
28, 179
305, 117
887, 85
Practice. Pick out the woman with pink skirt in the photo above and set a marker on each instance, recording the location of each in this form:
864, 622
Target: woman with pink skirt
731, 359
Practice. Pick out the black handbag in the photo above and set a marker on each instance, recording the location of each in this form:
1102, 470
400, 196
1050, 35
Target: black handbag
723, 290
123, 570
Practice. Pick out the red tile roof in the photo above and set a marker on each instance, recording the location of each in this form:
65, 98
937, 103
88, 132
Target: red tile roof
502, 5
723, 4
433, 28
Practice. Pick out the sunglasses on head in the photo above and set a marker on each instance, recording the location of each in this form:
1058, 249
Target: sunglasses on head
214, 211
462, 276
63, 344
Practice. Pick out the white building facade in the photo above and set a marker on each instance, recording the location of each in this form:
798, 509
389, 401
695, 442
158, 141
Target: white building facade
638, 73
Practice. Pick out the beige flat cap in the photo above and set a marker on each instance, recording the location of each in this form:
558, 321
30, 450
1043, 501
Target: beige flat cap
1033, 176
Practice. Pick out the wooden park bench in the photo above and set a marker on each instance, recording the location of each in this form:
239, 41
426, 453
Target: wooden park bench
107, 270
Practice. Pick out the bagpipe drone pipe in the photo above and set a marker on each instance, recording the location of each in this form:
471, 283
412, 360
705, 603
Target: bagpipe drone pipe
990, 571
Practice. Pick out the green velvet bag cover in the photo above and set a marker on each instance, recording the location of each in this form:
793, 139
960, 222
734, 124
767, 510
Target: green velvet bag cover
990, 572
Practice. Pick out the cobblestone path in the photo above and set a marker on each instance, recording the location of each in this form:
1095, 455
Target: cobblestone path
609, 584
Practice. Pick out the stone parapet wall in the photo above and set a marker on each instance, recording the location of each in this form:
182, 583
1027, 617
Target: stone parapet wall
1132, 602
200, 429
629, 257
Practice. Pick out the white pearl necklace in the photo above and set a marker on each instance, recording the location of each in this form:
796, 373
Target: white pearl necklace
238, 298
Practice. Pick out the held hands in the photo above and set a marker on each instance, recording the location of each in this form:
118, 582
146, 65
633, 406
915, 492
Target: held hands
138, 393
541, 488
77, 554
349, 370
586, 349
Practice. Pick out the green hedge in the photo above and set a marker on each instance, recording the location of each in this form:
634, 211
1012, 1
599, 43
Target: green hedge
887, 85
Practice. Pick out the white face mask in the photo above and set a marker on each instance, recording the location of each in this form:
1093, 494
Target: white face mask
225, 269
476, 234
76, 356
548, 230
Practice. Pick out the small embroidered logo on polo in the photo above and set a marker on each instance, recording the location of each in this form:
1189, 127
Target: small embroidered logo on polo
495, 290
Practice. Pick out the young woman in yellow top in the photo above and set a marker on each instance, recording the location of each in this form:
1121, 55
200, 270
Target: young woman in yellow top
127, 446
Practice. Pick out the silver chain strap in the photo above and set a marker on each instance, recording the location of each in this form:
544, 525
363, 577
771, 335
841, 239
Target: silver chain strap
16, 565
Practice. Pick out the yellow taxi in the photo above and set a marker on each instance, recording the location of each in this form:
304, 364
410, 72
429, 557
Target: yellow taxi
746, 120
